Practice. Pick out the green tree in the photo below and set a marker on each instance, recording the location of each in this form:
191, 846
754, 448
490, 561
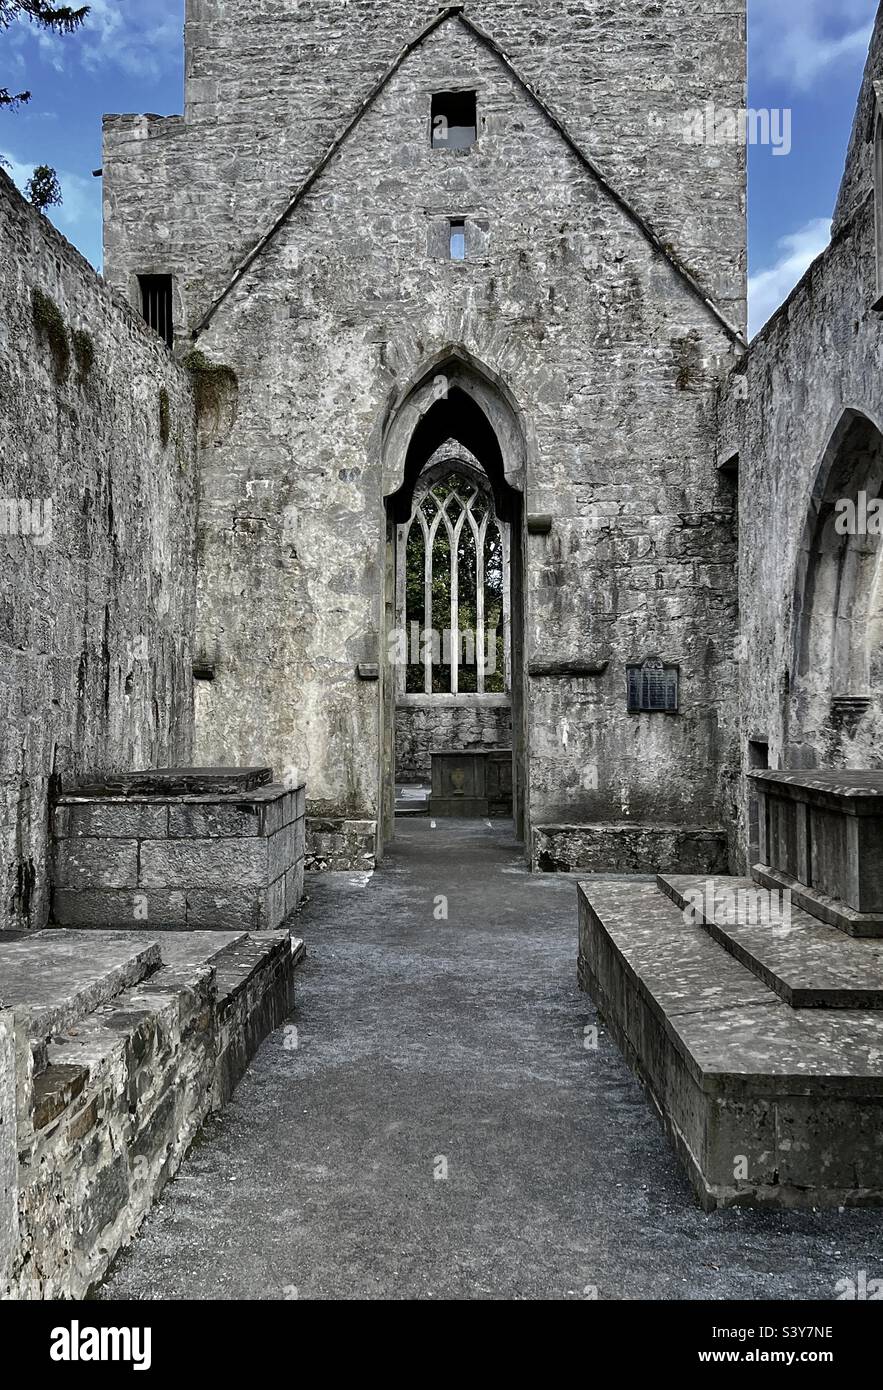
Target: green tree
43, 189
57, 19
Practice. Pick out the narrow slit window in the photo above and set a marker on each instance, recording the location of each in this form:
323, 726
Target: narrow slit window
156, 304
458, 240
454, 120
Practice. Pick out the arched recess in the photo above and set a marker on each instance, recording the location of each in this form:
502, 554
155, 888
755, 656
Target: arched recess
837, 657
455, 408
454, 396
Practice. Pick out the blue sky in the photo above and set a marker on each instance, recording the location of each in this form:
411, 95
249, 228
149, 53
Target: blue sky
806, 56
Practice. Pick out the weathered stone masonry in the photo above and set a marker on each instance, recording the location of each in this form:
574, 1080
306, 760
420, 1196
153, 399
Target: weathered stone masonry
96, 612
804, 412
595, 335
115, 1048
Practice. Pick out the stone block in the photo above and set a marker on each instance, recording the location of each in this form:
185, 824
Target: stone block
116, 1102
54, 1090
119, 820
217, 819
53, 979
236, 909
822, 837
273, 907
339, 845
282, 850
174, 781
127, 908
105, 1199
215, 864
95, 863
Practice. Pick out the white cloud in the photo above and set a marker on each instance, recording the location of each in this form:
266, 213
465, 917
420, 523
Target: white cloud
769, 288
138, 43
117, 33
796, 41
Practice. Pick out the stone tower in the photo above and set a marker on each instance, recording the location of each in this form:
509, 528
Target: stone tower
481, 233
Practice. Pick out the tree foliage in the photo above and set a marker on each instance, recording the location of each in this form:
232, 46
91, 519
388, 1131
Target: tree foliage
43, 189
56, 19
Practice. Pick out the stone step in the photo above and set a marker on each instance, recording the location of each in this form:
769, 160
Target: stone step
129, 1062
764, 1103
808, 963
52, 979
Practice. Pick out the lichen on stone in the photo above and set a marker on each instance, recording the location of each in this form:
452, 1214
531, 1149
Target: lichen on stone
165, 416
49, 321
84, 352
213, 381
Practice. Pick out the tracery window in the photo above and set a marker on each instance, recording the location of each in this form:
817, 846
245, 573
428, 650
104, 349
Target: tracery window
454, 587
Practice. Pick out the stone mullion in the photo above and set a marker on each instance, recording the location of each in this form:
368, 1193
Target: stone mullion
479, 533
454, 537
404, 535
505, 542
429, 533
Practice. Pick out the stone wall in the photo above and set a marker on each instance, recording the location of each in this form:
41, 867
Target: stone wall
8, 1148
218, 177
454, 724
128, 1047
610, 357
97, 588
810, 378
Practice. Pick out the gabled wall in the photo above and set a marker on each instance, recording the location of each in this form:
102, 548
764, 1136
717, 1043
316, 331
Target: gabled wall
269, 87
611, 360
96, 607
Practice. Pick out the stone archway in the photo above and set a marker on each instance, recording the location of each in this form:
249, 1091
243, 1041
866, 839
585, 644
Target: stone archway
455, 419
837, 635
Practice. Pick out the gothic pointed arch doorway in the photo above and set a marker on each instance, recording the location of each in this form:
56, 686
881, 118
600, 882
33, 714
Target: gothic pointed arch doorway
454, 461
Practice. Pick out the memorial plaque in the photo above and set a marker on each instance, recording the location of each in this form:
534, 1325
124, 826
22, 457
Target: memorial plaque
652, 688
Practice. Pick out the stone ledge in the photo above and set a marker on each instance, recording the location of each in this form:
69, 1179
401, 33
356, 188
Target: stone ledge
626, 847
806, 962
116, 1101
736, 1075
173, 781
861, 925
53, 979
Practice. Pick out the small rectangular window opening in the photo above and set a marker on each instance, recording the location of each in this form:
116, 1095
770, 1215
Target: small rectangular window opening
758, 754
454, 120
458, 240
156, 304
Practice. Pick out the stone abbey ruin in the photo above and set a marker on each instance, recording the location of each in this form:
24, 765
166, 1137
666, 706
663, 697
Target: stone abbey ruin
411, 459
